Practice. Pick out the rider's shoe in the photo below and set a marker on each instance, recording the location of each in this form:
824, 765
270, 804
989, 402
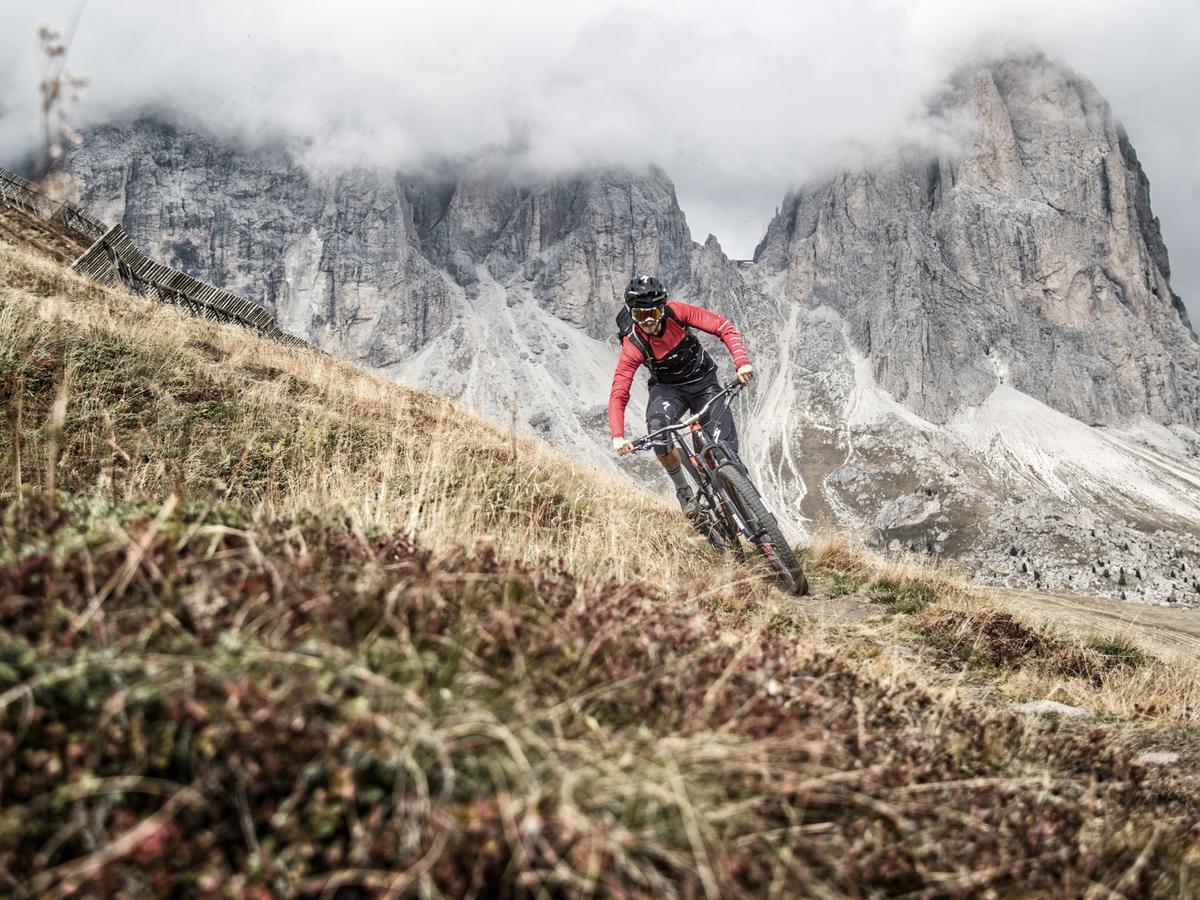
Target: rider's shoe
688, 501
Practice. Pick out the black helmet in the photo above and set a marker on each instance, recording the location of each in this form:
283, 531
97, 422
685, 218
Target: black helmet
645, 292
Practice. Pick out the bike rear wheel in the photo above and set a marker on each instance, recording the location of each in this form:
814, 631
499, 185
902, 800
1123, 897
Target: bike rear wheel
768, 538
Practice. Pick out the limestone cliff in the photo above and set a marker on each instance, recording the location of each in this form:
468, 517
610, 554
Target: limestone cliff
1028, 256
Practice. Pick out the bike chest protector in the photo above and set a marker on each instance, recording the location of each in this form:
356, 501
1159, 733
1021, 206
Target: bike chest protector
682, 364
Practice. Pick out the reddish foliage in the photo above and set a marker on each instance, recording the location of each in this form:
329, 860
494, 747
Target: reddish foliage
294, 678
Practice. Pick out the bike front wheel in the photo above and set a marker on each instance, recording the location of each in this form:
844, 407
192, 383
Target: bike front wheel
763, 527
720, 536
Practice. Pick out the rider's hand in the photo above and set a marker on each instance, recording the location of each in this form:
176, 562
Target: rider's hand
745, 373
622, 446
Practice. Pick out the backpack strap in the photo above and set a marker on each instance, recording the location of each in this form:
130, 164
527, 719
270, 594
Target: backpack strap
643, 347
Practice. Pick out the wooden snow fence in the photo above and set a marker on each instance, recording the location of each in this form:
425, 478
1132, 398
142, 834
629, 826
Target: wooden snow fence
114, 259
17, 191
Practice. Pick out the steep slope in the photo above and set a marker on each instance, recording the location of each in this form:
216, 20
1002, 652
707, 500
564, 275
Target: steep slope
270, 625
497, 293
971, 351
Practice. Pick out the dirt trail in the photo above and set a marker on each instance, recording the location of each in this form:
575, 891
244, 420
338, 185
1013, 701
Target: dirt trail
821, 604
1169, 632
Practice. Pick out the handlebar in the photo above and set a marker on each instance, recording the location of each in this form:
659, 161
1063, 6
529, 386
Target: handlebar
732, 390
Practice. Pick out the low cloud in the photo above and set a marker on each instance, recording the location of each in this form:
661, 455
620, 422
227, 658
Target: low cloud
737, 102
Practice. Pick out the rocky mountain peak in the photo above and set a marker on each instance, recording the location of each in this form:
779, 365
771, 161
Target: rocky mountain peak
1026, 256
323, 250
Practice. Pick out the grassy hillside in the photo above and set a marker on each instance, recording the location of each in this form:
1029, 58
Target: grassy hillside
273, 627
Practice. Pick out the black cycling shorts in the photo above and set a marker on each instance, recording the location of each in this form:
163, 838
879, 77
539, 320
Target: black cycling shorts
669, 403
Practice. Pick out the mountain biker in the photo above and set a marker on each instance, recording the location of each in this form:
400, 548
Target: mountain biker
682, 375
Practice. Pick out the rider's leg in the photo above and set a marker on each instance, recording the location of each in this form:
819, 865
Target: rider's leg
683, 490
670, 461
721, 428
664, 406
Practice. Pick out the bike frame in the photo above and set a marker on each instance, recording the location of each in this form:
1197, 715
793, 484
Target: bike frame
729, 507
702, 458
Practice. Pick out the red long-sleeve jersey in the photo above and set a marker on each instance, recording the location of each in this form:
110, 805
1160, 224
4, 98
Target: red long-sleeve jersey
660, 345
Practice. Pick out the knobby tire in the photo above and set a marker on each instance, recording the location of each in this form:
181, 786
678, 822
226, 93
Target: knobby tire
711, 527
770, 540
707, 522
718, 541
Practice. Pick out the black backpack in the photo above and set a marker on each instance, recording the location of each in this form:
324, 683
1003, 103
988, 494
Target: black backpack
626, 329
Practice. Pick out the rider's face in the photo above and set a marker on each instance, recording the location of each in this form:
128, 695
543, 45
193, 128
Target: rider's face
649, 320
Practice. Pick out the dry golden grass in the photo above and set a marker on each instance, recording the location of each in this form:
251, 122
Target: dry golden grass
295, 430
843, 551
48, 239
307, 433
301, 707
312, 434
268, 623
1107, 675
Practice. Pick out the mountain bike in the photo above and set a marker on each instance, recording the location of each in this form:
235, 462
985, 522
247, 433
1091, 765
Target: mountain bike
728, 506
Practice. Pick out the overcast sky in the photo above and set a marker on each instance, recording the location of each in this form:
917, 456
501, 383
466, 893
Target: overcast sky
737, 101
